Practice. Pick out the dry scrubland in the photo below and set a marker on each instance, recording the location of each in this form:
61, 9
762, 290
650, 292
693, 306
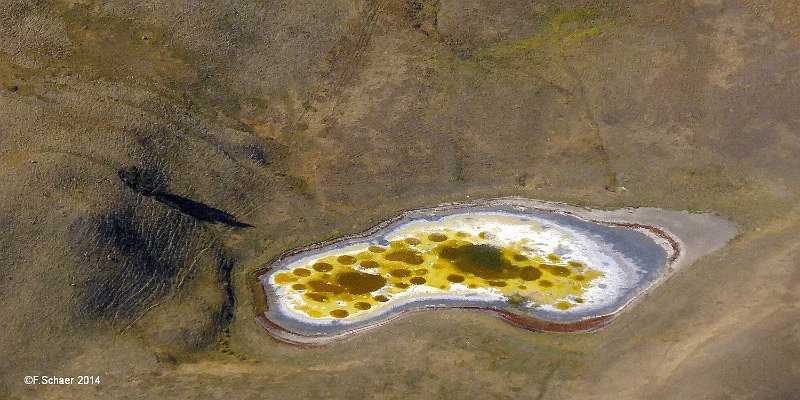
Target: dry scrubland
153, 154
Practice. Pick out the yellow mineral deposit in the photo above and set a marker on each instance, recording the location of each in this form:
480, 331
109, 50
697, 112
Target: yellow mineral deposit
360, 282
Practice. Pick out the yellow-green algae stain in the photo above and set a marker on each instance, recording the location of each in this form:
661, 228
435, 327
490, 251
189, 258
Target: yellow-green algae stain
342, 286
562, 28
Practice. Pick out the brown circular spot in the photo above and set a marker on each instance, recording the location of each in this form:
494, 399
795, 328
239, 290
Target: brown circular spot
559, 270
496, 283
284, 277
339, 313
579, 277
299, 286
376, 249
381, 298
579, 300
369, 264
407, 256
327, 287
455, 278
357, 282
519, 257
361, 305
301, 272
545, 283
530, 273
553, 257
483, 235
412, 241
400, 272
482, 260
522, 287
420, 272
322, 267
437, 237
418, 280
402, 285
317, 297
346, 260
346, 297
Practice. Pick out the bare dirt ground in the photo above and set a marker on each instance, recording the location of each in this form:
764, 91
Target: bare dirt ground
153, 154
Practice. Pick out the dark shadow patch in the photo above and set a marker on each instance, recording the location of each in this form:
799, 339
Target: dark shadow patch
136, 257
131, 269
199, 211
147, 184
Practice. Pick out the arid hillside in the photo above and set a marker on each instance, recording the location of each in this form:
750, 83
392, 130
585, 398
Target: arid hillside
154, 154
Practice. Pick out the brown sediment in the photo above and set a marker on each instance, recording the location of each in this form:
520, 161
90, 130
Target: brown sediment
357, 282
322, 267
437, 237
369, 264
411, 257
407, 256
481, 260
346, 260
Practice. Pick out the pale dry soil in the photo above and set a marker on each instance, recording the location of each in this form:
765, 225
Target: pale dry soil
312, 120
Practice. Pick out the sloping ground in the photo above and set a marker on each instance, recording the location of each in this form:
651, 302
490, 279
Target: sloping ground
139, 142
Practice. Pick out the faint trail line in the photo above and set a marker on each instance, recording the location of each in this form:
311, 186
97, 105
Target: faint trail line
347, 59
586, 111
354, 60
545, 382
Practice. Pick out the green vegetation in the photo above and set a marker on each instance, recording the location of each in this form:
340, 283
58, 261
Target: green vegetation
579, 16
560, 28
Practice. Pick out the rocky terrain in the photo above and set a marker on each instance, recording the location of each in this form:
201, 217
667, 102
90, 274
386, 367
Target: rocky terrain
154, 154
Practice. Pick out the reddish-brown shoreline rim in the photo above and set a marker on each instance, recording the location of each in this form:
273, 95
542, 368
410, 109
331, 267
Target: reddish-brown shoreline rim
530, 323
